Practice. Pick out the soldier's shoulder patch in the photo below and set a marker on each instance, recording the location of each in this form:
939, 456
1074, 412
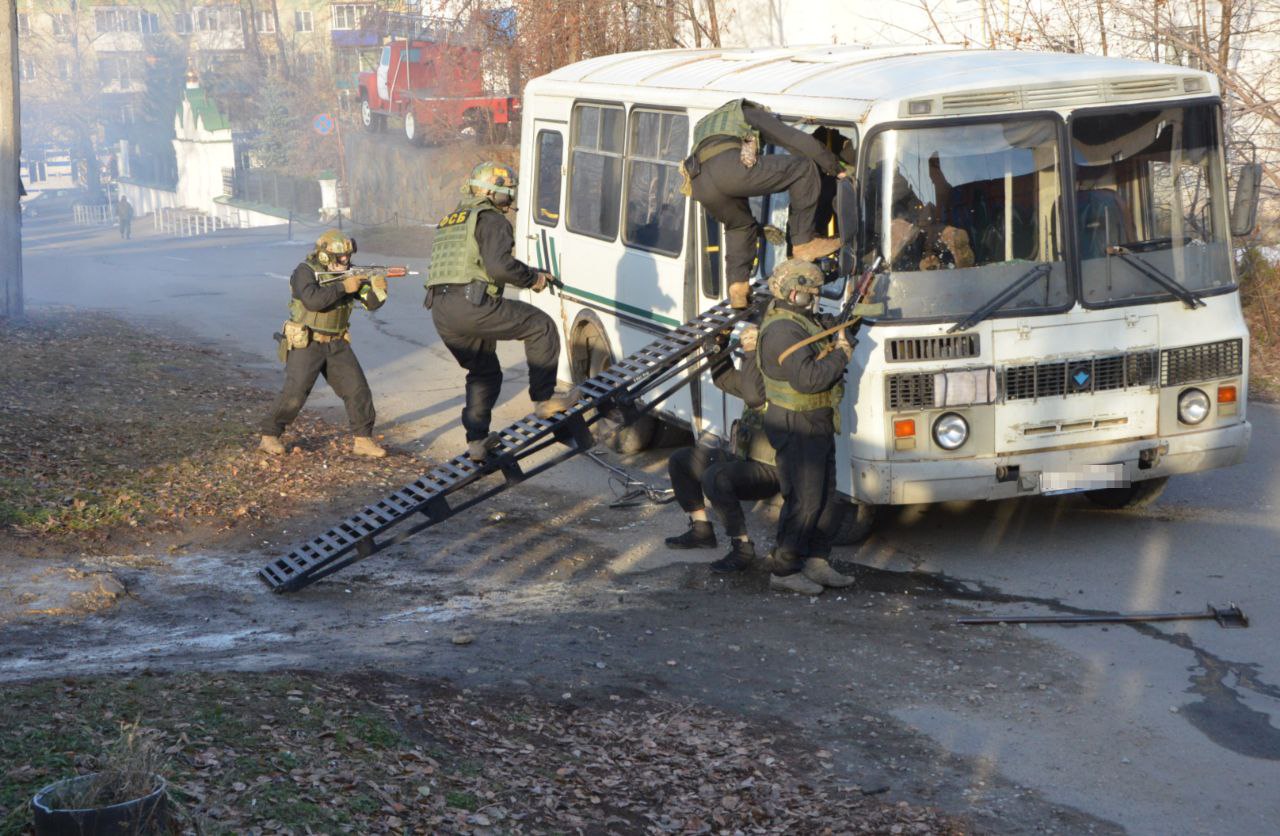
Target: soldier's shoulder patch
455, 218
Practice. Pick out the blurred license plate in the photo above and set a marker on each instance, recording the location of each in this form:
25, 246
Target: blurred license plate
1091, 477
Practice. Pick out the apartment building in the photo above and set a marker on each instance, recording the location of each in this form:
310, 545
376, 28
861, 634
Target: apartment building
84, 65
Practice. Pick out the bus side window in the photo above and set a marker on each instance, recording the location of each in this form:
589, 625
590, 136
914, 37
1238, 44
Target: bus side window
546, 197
654, 218
595, 170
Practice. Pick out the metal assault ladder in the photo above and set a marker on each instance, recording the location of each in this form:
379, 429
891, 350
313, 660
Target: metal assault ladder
674, 355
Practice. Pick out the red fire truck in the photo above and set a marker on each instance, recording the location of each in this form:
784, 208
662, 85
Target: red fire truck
431, 75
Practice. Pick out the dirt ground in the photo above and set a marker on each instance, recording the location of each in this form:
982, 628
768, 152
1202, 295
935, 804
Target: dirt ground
517, 602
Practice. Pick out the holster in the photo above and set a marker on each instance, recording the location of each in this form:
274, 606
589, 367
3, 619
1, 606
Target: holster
476, 292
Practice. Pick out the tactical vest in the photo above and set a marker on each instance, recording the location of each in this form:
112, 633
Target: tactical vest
780, 392
721, 129
749, 441
333, 320
455, 254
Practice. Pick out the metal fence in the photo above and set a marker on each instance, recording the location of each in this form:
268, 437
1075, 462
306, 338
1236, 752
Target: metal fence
298, 195
103, 215
185, 222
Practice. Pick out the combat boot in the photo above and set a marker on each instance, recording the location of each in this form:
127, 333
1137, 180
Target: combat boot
795, 582
819, 570
739, 295
699, 536
363, 445
547, 409
742, 553
271, 445
479, 449
815, 248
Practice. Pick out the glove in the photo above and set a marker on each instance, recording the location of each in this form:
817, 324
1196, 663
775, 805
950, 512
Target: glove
351, 283
379, 284
749, 337
843, 344
540, 282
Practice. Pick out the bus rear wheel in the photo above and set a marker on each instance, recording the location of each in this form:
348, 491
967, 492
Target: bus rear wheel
1135, 495
589, 354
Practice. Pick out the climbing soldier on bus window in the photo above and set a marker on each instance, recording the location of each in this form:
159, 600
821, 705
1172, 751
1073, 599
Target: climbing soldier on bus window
727, 168
471, 263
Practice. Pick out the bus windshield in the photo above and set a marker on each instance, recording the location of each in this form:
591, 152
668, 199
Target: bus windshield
1149, 195
961, 213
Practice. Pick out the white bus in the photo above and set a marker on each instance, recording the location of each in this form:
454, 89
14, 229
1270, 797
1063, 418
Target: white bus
1089, 339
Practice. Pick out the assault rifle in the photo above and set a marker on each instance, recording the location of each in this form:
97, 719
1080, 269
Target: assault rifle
366, 274
854, 301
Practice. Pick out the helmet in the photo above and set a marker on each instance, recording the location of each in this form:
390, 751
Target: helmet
494, 179
331, 244
798, 275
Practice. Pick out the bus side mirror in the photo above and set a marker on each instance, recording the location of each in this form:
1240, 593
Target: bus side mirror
847, 216
1244, 209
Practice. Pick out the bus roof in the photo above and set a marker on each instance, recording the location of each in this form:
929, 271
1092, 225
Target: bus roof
960, 80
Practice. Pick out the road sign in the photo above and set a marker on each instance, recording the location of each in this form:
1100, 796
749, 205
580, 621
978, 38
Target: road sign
323, 124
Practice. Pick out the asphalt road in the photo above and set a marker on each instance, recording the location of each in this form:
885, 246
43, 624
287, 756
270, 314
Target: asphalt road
1169, 729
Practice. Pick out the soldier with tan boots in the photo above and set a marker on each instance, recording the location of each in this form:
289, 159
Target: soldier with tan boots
317, 341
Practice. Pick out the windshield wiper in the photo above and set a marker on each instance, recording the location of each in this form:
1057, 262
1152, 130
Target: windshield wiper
1001, 299
1188, 297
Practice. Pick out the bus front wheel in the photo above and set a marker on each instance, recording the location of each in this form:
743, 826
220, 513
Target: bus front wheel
857, 521
1135, 495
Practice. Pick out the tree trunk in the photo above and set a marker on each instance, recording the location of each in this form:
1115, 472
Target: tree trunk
10, 146
1102, 25
284, 62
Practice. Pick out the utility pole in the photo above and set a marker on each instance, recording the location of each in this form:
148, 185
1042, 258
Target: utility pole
10, 142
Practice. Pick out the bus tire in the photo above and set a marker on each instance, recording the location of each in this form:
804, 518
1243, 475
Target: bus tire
1136, 495
857, 521
590, 354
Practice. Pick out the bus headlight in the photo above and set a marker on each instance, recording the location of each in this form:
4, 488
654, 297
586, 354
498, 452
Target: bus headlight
950, 431
1193, 406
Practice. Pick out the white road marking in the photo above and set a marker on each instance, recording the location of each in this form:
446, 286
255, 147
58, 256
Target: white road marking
278, 276
176, 258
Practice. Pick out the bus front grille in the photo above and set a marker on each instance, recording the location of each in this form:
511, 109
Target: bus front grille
945, 347
1195, 363
1078, 376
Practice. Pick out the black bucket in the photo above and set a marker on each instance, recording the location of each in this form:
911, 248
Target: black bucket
146, 815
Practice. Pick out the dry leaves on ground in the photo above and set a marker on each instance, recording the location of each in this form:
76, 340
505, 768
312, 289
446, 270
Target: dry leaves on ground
276, 754
108, 428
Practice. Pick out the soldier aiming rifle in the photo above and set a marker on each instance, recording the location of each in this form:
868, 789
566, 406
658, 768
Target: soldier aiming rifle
317, 339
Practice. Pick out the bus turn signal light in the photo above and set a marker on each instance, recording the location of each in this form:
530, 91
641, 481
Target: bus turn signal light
1226, 394
904, 428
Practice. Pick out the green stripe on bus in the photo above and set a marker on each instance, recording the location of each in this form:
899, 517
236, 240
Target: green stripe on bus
622, 306
554, 269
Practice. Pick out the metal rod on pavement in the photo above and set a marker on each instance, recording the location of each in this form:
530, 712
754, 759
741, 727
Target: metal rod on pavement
1228, 616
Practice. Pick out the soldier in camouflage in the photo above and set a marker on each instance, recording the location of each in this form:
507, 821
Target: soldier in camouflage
317, 341
801, 422
471, 264
727, 167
